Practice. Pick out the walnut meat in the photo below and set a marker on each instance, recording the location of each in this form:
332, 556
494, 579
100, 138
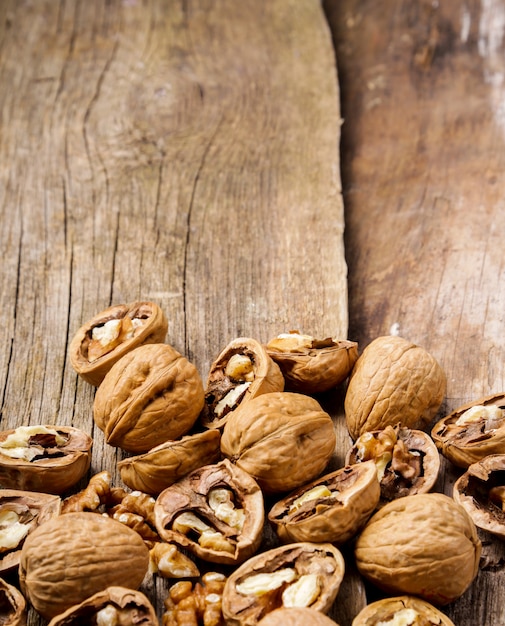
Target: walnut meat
414, 545
242, 371
43, 458
301, 616
332, 508
407, 610
151, 395
311, 365
109, 335
282, 439
393, 381
297, 575
12, 605
73, 556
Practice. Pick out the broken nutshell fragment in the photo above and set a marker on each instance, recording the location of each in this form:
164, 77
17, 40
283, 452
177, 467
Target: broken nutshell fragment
407, 460
242, 371
332, 508
109, 335
472, 431
311, 365
406, 610
43, 458
12, 605
301, 574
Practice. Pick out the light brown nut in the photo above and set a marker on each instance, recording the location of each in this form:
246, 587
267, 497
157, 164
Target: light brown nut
71, 557
242, 371
44, 458
151, 395
311, 365
414, 545
407, 460
332, 508
92, 497
393, 381
168, 561
472, 431
188, 605
117, 330
282, 439
481, 491
167, 463
20, 513
114, 606
12, 605
216, 512
405, 609
296, 575
302, 616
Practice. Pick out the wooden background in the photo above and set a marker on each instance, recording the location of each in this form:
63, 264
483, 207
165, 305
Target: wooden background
188, 152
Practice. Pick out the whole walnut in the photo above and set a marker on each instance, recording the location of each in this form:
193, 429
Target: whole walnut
296, 616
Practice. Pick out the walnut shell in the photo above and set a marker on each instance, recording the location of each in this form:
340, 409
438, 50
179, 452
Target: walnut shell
45, 458
407, 460
299, 574
242, 371
151, 395
139, 323
170, 461
414, 545
331, 509
312, 365
414, 609
393, 381
282, 439
472, 431
73, 556
302, 616
481, 491
216, 512
12, 605
118, 605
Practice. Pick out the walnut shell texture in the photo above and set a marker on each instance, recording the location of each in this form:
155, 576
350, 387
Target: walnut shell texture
151, 395
393, 381
301, 616
152, 328
384, 611
282, 439
424, 545
73, 556
12, 605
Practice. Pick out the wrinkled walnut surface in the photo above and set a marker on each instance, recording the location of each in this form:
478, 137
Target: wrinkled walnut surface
414, 611
296, 617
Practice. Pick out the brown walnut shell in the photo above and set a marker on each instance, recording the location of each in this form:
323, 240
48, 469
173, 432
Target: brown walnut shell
121, 606
393, 381
481, 491
331, 509
384, 611
414, 546
229, 386
282, 439
152, 328
472, 439
221, 497
20, 513
59, 457
12, 605
299, 574
312, 365
407, 460
73, 556
151, 395
170, 461
302, 616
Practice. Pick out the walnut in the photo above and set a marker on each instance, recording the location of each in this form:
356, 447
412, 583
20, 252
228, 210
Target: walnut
191, 605
406, 610
13, 610
296, 616
168, 561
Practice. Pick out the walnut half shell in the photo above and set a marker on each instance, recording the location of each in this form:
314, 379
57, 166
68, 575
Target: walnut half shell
12, 605
403, 609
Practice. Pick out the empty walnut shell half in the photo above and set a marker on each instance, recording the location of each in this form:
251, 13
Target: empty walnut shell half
282, 439
312, 365
481, 491
407, 460
109, 335
393, 381
12, 605
330, 509
44, 458
424, 545
20, 513
170, 461
472, 431
301, 616
216, 512
401, 610
296, 575
243, 370
115, 606
151, 395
